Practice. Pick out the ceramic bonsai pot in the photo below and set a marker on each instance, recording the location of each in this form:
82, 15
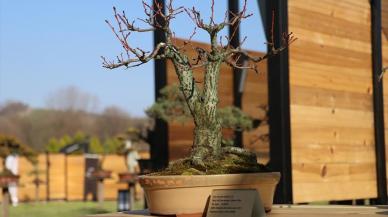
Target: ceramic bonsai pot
172, 195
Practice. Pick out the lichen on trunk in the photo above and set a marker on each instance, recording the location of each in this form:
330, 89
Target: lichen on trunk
207, 132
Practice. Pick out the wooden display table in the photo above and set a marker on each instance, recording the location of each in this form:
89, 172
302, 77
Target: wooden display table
294, 211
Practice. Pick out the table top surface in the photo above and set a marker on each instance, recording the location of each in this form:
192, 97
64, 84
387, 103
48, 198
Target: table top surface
293, 211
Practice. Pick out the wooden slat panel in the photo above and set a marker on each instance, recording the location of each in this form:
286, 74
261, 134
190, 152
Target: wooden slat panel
255, 95
332, 125
116, 164
256, 145
331, 40
330, 55
327, 24
75, 177
57, 176
333, 172
331, 117
255, 98
316, 78
337, 181
328, 153
322, 97
180, 139
353, 11
42, 167
26, 190
384, 17
334, 191
331, 135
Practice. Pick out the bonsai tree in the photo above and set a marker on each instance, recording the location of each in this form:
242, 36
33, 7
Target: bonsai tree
208, 156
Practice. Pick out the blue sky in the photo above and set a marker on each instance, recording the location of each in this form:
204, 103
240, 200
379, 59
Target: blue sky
47, 45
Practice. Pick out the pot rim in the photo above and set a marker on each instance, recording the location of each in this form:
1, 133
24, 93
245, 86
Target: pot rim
187, 181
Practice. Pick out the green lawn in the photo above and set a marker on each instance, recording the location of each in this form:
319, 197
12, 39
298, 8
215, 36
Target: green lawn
63, 209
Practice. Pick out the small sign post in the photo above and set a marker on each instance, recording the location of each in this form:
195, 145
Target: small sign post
235, 202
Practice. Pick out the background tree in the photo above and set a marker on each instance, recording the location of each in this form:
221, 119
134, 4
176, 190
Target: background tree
12, 108
36, 126
72, 99
112, 122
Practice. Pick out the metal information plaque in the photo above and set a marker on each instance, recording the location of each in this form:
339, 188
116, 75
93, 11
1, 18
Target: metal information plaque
235, 202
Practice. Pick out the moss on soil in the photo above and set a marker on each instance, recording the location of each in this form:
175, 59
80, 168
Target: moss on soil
227, 164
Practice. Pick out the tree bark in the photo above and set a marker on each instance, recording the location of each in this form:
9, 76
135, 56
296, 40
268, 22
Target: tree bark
186, 82
208, 131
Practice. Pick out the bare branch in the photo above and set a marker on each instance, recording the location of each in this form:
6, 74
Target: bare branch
287, 39
196, 17
234, 64
235, 20
212, 14
141, 59
122, 18
156, 19
272, 52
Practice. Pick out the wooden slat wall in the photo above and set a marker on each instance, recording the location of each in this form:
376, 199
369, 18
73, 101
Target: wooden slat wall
331, 100
74, 179
116, 164
255, 95
27, 190
255, 99
384, 16
57, 177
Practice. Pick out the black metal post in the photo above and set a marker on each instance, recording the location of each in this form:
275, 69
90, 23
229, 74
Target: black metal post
234, 35
159, 146
378, 103
279, 102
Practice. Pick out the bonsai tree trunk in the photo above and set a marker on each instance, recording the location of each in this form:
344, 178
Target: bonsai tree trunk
207, 132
